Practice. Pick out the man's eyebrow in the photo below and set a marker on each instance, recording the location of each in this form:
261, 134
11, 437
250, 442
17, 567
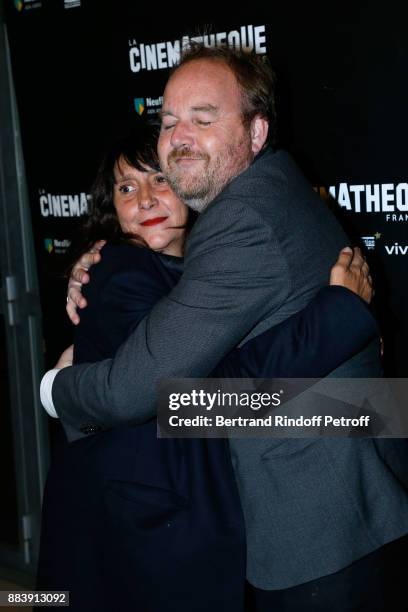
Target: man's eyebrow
206, 108
203, 108
165, 114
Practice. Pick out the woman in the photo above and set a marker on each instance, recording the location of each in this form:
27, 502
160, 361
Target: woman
156, 523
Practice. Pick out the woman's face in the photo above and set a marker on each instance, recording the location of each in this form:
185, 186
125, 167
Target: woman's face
146, 206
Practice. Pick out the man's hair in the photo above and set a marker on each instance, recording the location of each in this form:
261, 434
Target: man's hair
254, 76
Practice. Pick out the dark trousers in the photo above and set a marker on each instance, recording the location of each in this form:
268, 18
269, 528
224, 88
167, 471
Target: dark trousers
375, 583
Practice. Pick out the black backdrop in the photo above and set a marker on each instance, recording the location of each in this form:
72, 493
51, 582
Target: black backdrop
86, 70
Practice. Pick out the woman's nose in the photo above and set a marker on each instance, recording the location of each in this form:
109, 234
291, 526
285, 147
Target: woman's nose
146, 198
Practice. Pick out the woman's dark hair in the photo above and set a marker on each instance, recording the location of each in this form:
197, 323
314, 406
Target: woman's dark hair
138, 149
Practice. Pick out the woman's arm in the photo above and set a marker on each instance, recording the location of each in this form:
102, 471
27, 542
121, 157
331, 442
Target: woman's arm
332, 328
123, 289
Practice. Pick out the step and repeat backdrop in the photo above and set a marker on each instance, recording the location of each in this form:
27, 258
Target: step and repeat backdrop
86, 71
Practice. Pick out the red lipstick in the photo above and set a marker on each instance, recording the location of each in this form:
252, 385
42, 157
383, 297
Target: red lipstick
154, 221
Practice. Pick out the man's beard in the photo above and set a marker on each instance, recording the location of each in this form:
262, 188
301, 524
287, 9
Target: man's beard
200, 187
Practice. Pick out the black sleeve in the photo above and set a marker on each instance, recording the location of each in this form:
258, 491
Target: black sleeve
332, 328
121, 293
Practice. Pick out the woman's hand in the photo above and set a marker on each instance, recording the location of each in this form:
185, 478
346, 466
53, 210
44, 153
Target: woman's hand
66, 358
351, 271
79, 276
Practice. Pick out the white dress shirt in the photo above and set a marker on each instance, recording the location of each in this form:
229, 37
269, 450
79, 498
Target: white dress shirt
46, 392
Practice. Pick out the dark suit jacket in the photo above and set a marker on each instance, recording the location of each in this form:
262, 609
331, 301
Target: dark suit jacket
258, 254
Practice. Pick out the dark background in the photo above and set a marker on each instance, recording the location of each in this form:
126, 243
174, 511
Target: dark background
342, 102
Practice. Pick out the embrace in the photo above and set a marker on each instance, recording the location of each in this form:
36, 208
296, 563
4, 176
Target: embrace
241, 291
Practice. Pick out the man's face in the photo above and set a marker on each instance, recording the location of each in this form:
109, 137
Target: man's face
203, 143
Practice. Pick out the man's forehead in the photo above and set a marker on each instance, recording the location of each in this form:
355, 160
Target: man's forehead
197, 73
200, 85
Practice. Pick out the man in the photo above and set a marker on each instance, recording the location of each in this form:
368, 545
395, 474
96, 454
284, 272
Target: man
258, 253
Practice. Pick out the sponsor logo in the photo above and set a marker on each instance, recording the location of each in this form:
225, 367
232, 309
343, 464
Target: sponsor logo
388, 198
157, 56
151, 105
370, 241
396, 249
49, 245
139, 105
27, 4
71, 3
56, 245
52, 205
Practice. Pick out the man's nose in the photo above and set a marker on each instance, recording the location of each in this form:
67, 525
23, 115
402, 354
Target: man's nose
182, 135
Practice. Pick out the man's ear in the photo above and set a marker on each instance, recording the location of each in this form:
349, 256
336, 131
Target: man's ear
259, 133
